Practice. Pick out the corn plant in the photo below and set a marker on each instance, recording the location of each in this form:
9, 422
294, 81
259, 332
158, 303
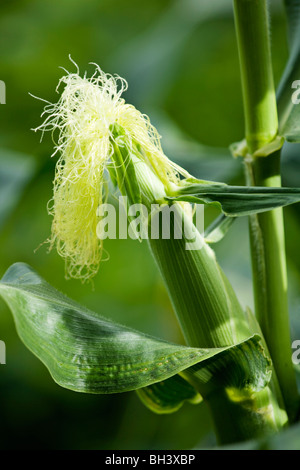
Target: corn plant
237, 362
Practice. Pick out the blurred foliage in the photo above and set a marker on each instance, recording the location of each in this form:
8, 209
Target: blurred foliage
180, 59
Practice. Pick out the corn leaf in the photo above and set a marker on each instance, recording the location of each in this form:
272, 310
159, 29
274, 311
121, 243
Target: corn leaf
217, 230
86, 353
288, 112
235, 201
169, 395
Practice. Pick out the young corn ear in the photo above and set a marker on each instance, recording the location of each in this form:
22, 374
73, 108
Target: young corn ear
84, 117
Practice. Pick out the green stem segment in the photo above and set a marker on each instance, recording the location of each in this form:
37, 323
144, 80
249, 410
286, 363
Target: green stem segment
270, 278
252, 30
252, 416
206, 306
210, 315
267, 229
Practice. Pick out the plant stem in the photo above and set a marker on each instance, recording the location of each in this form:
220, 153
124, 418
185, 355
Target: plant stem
252, 416
252, 30
210, 315
206, 306
270, 278
267, 229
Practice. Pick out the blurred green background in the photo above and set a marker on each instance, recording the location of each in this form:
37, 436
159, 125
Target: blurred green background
180, 59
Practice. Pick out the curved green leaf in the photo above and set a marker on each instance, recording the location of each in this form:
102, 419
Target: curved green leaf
83, 351
288, 112
169, 395
235, 201
217, 230
240, 149
87, 353
235, 371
